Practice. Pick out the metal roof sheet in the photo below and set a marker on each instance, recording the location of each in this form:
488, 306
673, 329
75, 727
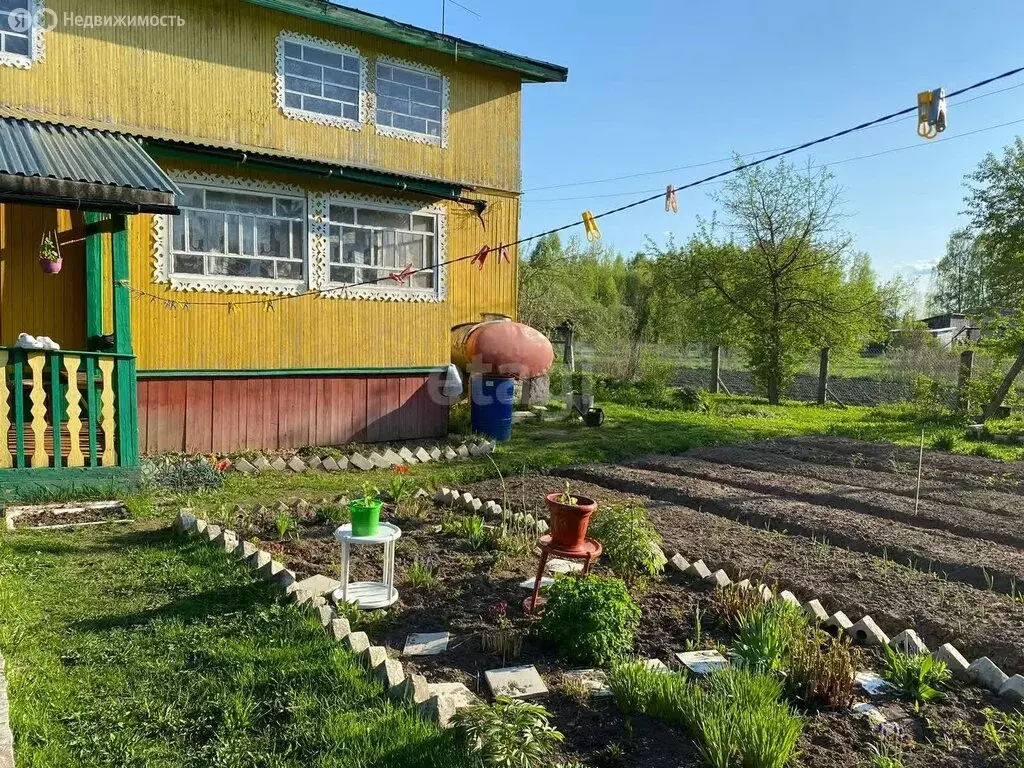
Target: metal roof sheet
46, 150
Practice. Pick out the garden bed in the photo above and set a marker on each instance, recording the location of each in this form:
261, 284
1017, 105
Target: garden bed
467, 580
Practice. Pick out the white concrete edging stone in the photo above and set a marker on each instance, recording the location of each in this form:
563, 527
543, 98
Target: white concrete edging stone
375, 460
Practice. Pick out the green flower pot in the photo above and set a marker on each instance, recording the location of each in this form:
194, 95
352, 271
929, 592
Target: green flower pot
365, 517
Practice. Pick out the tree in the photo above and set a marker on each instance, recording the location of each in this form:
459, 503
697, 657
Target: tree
960, 281
782, 283
995, 202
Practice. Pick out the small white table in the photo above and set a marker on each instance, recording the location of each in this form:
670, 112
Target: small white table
368, 595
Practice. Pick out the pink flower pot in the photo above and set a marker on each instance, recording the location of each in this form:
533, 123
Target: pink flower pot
51, 267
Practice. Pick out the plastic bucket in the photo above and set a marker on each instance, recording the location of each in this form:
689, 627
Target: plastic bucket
491, 401
365, 517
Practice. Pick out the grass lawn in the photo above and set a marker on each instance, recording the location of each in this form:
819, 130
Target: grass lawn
626, 432
129, 646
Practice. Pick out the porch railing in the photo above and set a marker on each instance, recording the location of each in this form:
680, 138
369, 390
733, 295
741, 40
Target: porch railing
59, 408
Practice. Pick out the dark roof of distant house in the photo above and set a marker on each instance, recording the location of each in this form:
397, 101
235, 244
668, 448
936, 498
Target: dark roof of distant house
531, 70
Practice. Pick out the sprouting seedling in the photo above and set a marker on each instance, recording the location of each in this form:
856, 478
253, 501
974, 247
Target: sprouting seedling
370, 493
567, 497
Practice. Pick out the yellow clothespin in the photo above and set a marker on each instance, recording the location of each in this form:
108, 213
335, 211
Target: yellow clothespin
671, 203
590, 225
931, 113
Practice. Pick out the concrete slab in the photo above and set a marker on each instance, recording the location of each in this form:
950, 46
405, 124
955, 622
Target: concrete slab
1013, 688
868, 632
872, 683
426, 644
815, 611
319, 585
558, 565
657, 665
718, 579
869, 711
515, 682
457, 693
955, 660
698, 569
987, 674
545, 581
594, 680
908, 642
678, 562
702, 663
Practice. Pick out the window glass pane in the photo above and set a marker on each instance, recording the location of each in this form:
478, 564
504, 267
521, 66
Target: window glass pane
177, 224
351, 111
343, 214
323, 107
321, 56
289, 207
383, 118
351, 64
272, 238
339, 93
289, 270
301, 85
389, 219
423, 280
409, 77
343, 275
384, 88
355, 246
293, 50
217, 200
434, 129
338, 77
422, 110
301, 68
421, 96
412, 124
188, 264
239, 267
206, 232
248, 235
233, 234
192, 197
16, 44
297, 249
293, 100
423, 223
392, 104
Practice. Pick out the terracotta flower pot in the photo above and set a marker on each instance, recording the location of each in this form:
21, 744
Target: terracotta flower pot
51, 267
569, 522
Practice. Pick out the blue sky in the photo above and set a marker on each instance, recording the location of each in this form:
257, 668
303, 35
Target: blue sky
658, 84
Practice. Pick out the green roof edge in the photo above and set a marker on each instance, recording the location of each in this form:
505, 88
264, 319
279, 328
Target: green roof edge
532, 70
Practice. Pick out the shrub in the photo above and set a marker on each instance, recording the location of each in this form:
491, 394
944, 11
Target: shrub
917, 676
195, 476
508, 733
946, 440
1005, 734
766, 634
693, 400
730, 603
629, 539
590, 620
821, 670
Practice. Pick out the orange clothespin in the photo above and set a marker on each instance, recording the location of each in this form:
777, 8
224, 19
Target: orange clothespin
480, 258
671, 203
405, 274
503, 253
590, 225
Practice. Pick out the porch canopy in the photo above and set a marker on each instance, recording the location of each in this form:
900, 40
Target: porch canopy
80, 169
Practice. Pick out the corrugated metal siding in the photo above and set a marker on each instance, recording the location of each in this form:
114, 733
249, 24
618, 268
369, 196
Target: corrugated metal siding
29, 148
213, 79
311, 332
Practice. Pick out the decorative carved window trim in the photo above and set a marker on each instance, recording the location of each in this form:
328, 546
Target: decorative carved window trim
36, 38
161, 235
319, 207
315, 117
398, 133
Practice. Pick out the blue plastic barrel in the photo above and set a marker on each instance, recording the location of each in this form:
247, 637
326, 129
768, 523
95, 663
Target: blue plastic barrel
491, 406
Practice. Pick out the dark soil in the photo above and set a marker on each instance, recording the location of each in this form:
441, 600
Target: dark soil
825, 517
69, 515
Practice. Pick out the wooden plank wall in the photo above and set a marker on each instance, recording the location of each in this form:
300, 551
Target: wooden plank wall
219, 415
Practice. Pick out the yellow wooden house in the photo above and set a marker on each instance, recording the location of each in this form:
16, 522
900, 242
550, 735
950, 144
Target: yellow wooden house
263, 212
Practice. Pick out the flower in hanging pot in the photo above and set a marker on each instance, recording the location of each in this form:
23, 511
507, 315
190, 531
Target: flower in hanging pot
50, 260
366, 512
570, 516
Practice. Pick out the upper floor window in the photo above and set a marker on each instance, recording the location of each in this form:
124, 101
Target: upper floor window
370, 242
411, 101
21, 34
320, 81
231, 237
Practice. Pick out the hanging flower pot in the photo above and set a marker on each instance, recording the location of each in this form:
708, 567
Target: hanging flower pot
570, 517
50, 260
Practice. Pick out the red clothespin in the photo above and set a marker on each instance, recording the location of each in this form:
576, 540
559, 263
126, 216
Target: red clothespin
671, 203
401, 277
481, 258
503, 253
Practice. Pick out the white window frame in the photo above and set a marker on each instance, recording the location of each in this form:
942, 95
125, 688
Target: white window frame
386, 289
399, 133
317, 117
35, 33
163, 250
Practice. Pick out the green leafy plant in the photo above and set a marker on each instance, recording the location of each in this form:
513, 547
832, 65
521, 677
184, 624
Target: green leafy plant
470, 528
48, 248
421, 575
197, 476
333, 513
370, 494
566, 497
508, 734
765, 635
285, 524
887, 751
399, 489
693, 400
729, 604
630, 540
821, 669
1004, 732
946, 440
590, 620
918, 677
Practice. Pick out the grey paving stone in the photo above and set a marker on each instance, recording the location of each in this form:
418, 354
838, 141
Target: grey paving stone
870, 712
340, 629
459, 694
329, 464
270, 570
955, 660
515, 682
543, 527
301, 507
787, 596
426, 644
374, 656
319, 584
838, 621
436, 454
357, 642
379, 461
245, 549
815, 611
422, 455
260, 462
702, 663
698, 570
545, 581
450, 454
438, 709
359, 461
226, 540
278, 464
718, 579
463, 451
185, 521
210, 533
558, 565
326, 615
390, 672
413, 689
407, 456
1013, 688
678, 562
657, 665
314, 462
594, 680
342, 462
244, 466
259, 559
